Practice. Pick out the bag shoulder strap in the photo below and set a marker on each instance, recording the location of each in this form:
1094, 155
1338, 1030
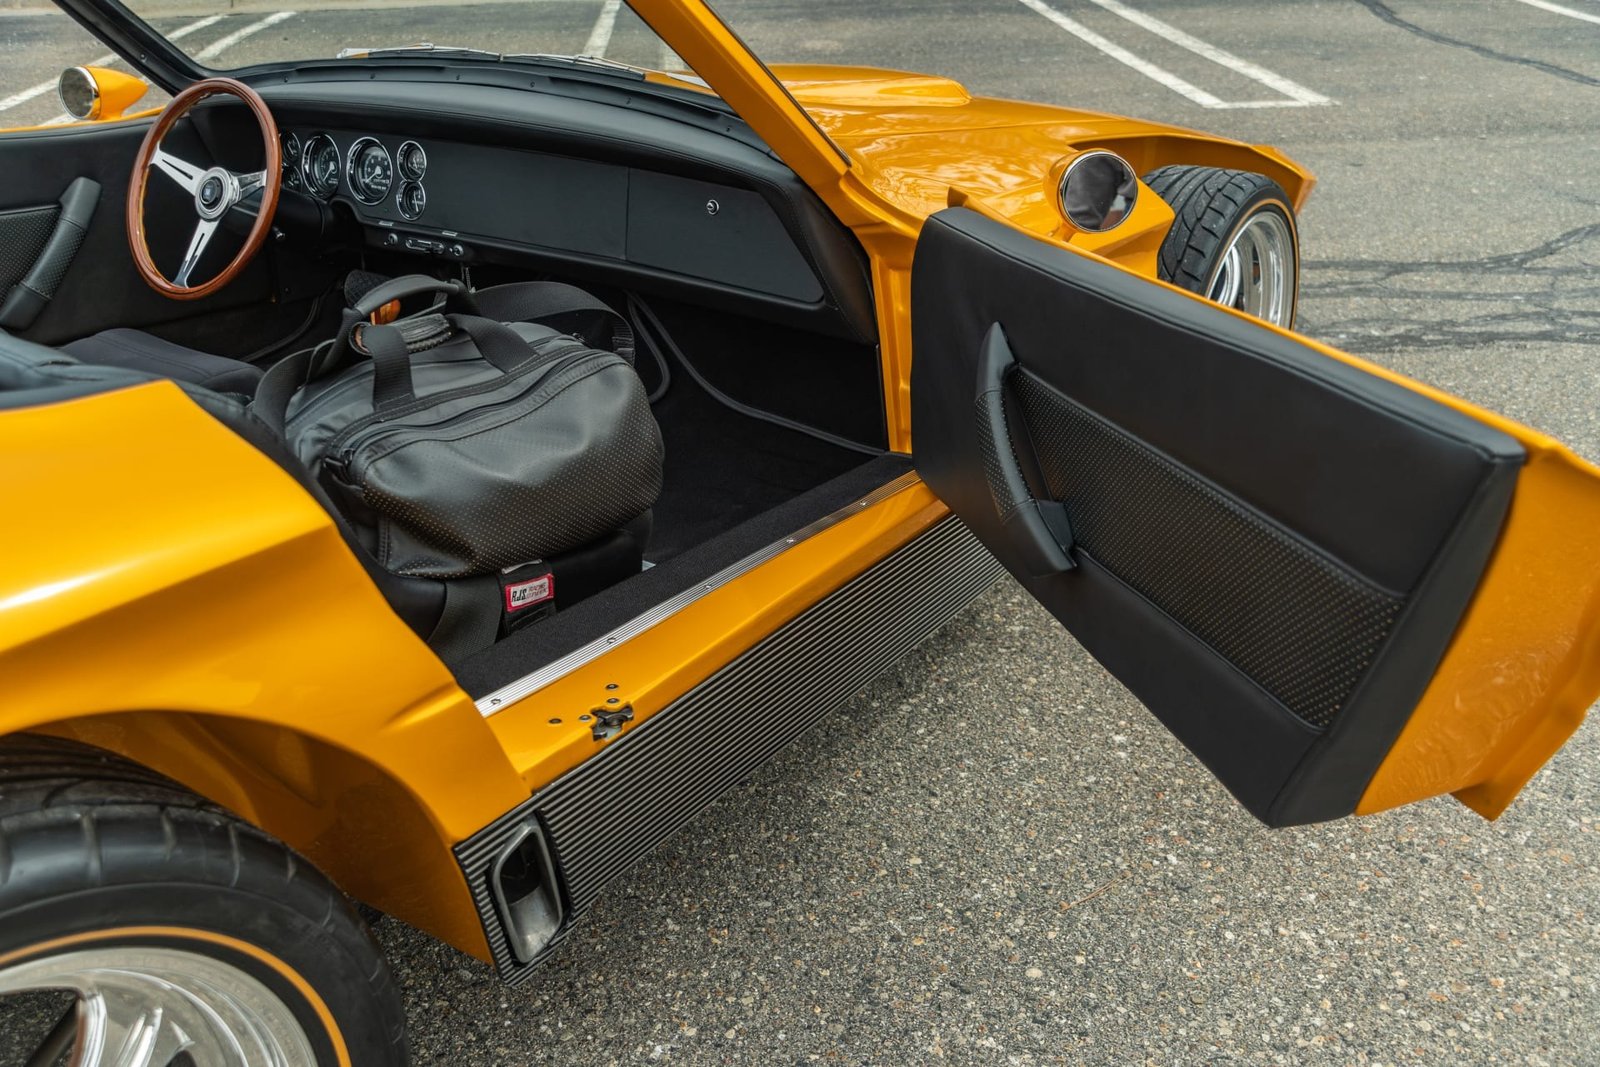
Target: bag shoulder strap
558, 305
278, 386
470, 620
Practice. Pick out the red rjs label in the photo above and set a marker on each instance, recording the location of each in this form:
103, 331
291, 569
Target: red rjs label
521, 595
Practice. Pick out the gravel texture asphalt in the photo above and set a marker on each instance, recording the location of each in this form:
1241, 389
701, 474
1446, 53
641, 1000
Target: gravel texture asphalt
994, 854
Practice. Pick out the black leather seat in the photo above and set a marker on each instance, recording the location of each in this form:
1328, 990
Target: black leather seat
140, 351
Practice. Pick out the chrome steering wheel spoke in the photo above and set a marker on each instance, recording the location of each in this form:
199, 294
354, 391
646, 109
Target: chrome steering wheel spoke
197, 245
249, 183
187, 175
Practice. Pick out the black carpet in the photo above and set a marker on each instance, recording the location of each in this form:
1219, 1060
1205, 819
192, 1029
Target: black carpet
723, 467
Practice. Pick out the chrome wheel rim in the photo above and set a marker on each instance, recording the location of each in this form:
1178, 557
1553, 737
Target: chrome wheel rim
140, 1006
1257, 273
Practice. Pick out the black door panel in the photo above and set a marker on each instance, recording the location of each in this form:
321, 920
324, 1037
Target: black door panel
43, 263
23, 233
101, 289
1270, 547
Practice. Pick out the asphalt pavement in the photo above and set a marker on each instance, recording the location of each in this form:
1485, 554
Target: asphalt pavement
994, 854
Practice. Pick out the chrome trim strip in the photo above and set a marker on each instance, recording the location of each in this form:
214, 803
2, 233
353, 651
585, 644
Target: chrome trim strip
531, 683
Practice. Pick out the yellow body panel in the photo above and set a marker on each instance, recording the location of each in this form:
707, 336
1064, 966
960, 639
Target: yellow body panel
1525, 665
186, 603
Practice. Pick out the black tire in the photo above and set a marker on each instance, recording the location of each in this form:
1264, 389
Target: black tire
1211, 206
96, 851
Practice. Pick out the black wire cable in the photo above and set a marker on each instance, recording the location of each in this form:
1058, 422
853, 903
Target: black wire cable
300, 331
641, 309
642, 335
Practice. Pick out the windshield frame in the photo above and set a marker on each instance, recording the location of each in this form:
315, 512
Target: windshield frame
168, 66
777, 118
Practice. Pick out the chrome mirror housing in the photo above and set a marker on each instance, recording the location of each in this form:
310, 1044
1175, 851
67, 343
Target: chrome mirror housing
1098, 190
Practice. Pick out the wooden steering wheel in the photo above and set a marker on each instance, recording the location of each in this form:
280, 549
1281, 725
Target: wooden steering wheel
215, 191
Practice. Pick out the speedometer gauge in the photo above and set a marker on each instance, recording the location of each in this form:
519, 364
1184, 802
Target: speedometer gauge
319, 165
369, 170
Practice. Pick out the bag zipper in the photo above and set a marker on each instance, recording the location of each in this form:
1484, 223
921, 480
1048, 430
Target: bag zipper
339, 456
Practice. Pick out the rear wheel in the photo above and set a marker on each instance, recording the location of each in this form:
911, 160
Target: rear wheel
139, 925
1233, 239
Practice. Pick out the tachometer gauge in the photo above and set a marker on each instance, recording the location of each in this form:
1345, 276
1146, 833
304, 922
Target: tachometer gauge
291, 160
413, 161
369, 170
319, 165
411, 200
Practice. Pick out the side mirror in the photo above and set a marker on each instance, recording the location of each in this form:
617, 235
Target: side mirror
1098, 191
96, 94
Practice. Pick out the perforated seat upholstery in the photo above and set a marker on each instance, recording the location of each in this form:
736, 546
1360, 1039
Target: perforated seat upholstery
137, 350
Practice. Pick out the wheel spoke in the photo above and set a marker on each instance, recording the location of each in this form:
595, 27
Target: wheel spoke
1256, 274
186, 175
197, 245
139, 1006
1226, 289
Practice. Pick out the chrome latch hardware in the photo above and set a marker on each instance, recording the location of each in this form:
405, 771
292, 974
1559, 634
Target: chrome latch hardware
608, 721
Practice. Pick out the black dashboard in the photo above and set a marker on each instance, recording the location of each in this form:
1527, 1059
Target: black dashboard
582, 187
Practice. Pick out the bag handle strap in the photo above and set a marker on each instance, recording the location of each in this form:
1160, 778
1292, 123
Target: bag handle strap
456, 293
392, 385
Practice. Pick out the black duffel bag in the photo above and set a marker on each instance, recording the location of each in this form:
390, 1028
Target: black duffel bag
456, 445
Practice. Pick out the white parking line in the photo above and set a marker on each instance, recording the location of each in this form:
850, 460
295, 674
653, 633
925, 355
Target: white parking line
1292, 89
1559, 10
1122, 55
222, 44
1298, 95
100, 61
600, 37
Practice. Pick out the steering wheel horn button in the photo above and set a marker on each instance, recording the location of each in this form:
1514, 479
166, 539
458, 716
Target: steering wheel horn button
216, 192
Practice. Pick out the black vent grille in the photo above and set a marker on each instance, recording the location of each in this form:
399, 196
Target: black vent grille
1296, 622
605, 815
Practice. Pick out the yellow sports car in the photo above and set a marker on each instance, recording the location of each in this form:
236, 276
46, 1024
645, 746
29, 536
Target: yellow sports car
434, 473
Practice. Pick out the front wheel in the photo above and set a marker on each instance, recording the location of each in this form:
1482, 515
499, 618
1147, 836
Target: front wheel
141, 926
1233, 239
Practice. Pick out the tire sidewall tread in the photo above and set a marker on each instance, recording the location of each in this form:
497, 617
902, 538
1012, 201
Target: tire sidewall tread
90, 842
1209, 205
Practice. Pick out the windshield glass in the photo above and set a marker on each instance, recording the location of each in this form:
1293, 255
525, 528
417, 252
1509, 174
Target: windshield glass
218, 35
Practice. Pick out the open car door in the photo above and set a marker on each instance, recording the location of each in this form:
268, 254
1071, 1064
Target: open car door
1341, 591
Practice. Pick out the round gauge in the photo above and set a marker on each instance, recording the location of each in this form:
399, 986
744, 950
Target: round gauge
369, 170
413, 161
411, 199
319, 165
291, 160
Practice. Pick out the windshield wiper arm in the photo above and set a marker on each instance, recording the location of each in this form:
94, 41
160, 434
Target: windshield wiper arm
578, 61
462, 52
423, 48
